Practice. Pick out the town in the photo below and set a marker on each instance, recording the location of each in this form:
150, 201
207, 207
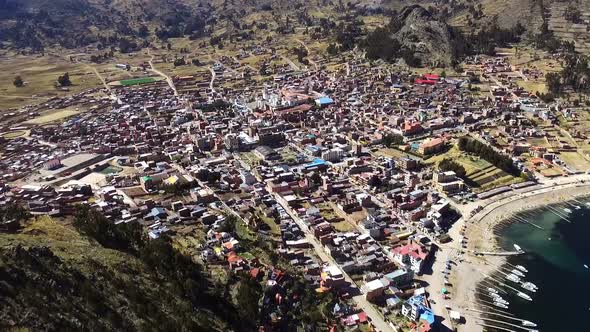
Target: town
363, 178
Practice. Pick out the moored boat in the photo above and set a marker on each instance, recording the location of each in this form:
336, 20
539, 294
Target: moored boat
529, 286
513, 278
522, 268
528, 323
518, 273
500, 305
524, 296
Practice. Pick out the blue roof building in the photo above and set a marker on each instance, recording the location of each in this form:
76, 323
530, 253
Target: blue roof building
324, 101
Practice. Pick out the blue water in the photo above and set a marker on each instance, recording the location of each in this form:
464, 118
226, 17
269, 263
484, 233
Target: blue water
555, 259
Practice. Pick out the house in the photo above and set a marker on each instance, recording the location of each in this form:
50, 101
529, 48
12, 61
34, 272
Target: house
266, 153
324, 101
411, 255
431, 146
400, 277
447, 182
374, 289
416, 310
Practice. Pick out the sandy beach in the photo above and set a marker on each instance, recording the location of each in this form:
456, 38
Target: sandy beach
480, 236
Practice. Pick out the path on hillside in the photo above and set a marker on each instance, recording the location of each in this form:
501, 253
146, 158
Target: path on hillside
168, 79
104, 82
315, 65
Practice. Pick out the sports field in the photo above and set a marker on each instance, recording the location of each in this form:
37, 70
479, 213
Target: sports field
137, 81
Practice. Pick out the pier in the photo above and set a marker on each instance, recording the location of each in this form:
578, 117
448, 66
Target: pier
499, 253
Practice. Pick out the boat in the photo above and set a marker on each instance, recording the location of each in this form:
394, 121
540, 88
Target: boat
567, 210
492, 290
518, 273
530, 285
500, 305
577, 207
513, 278
529, 288
522, 268
524, 296
528, 323
517, 247
586, 266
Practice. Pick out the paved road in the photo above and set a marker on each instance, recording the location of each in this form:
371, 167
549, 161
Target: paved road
360, 300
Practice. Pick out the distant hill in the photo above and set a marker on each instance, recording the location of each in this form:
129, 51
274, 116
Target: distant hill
75, 23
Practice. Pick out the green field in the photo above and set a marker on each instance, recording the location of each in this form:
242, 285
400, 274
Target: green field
137, 81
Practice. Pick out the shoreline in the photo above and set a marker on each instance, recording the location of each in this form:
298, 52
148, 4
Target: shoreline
482, 235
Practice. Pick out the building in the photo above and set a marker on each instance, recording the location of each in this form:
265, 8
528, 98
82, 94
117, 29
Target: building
415, 309
400, 277
447, 182
431, 146
266, 153
412, 255
332, 155
374, 289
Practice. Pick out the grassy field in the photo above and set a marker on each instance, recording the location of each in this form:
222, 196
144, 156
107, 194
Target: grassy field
53, 116
14, 134
137, 81
575, 160
40, 74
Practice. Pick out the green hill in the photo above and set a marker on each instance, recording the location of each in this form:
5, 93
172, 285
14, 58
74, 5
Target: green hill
52, 278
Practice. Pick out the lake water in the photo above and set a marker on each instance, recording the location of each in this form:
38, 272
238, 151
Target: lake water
555, 259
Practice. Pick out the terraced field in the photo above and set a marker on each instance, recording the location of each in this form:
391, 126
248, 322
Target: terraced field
578, 33
481, 173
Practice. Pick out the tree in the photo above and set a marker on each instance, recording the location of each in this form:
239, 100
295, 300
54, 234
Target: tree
128, 237
390, 140
248, 298
18, 82
450, 165
488, 153
332, 49
64, 80
553, 82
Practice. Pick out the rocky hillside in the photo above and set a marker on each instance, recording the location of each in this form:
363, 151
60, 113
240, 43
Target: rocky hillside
53, 279
431, 40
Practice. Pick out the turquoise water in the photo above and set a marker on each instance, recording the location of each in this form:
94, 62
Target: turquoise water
555, 259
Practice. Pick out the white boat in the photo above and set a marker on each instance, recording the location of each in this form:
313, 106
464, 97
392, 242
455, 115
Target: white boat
530, 285
529, 288
524, 296
567, 210
518, 273
528, 323
586, 266
577, 207
513, 278
517, 247
500, 305
522, 268
492, 290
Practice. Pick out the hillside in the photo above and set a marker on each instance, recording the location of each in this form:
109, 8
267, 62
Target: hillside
51, 278
76, 23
